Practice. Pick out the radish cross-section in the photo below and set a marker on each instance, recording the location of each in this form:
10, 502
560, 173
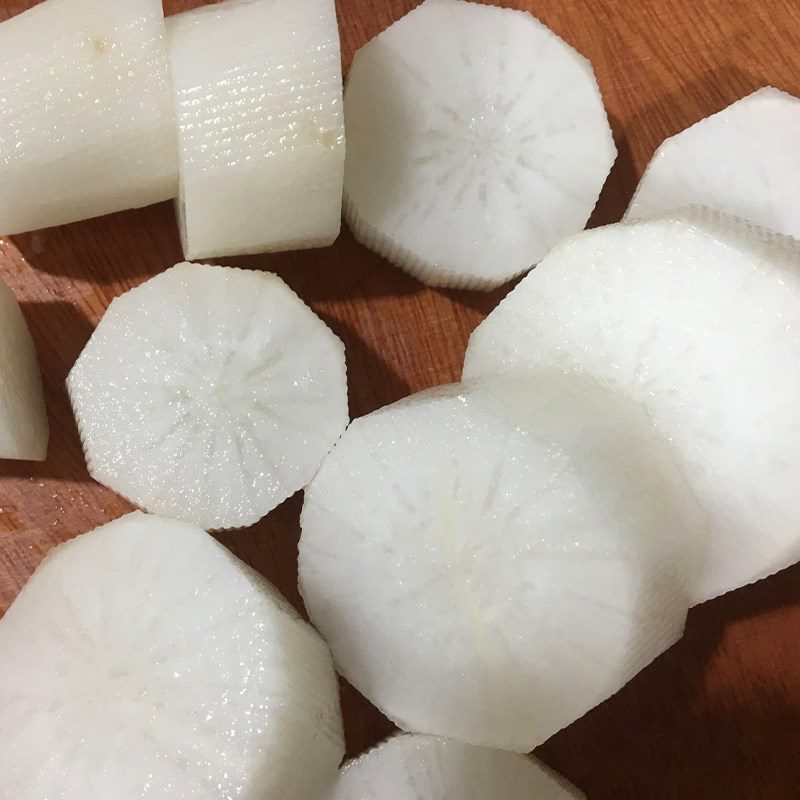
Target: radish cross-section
488, 562
144, 660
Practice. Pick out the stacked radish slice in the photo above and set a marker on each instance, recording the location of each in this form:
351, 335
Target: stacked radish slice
743, 160
490, 561
695, 315
258, 93
209, 394
23, 419
86, 120
477, 139
143, 659
426, 768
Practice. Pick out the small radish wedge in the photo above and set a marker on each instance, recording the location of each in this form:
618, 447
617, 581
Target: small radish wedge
23, 418
697, 315
415, 767
258, 95
477, 140
209, 394
744, 160
86, 119
144, 660
490, 561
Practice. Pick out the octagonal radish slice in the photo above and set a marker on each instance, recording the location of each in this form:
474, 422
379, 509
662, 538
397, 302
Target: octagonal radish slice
743, 160
490, 561
258, 96
23, 418
416, 767
86, 119
477, 140
697, 316
143, 659
209, 394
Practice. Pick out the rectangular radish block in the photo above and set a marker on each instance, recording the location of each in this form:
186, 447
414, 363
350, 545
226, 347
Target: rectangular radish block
86, 120
258, 94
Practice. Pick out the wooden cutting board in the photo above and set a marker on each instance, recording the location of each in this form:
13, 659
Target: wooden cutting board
718, 717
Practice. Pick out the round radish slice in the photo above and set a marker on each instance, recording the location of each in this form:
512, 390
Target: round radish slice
258, 94
23, 418
477, 140
696, 315
744, 160
209, 394
414, 767
86, 119
489, 562
142, 659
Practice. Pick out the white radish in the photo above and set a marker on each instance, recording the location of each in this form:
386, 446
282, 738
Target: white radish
489, 562
86, 119
258, 96
477, 139
416, 767
144, 660
209, 394
696, 315
744, 160
23, 418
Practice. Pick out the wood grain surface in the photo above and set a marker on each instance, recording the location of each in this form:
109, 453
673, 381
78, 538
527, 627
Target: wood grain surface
718, 717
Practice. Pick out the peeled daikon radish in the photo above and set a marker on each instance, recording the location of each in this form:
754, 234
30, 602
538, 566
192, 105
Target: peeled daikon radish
144, 660
209, 394
477, 140
258, 94
86, 119
743, 160
23, 418
697, 316
490, 561
415, 767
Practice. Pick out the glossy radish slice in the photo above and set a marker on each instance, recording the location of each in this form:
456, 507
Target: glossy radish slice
23, 418
209, 394
86, 119
488, 562
415, 767
697, 316
144, 660
744, 160
477, 140
258, 94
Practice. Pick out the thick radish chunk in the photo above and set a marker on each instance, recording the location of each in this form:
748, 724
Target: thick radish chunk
144, 660
23, 418
477, 140
86, 119
209, 394
697, 316
488, 562
416, 767
258, 96
744, 160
